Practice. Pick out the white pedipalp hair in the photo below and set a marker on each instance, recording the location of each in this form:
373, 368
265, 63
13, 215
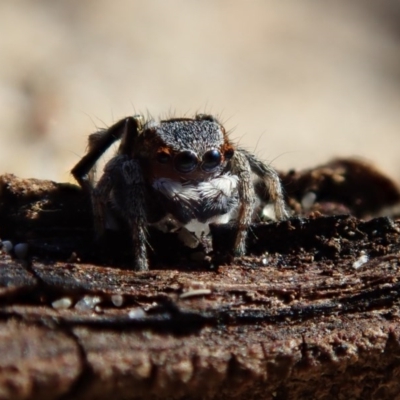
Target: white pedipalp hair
175, 190
223, 186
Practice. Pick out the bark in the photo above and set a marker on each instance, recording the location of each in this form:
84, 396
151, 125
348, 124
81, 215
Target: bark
312, 312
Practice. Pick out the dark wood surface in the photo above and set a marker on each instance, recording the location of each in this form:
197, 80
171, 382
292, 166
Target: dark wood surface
311, 312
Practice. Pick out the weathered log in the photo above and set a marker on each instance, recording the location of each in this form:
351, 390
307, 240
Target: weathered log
312, 312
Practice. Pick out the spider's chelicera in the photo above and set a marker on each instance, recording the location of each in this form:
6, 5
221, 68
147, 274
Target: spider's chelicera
181, 172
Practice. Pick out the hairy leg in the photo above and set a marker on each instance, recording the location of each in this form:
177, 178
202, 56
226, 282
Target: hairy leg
272, 183
241, 168
98, 144
129, 195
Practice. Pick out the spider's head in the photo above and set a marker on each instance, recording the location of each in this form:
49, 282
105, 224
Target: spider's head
189, 149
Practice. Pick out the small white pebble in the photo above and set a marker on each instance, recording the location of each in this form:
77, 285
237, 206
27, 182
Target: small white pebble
117, 300
360, 261
194, 293
21, 250
137, 313
7, 246
264, 261
308, 200
88, 302
62, 304
268, 212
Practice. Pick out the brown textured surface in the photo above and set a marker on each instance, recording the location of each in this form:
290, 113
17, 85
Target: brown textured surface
293, 320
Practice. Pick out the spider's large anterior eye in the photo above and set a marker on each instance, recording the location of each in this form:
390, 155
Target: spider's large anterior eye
186, 161
229, 154
211, 160
163, 157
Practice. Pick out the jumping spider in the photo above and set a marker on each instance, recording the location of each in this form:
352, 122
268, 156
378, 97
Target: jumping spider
178, 172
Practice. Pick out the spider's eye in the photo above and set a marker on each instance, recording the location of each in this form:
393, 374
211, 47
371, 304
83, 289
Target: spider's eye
163, 157
211, 160
186, 161
229, 154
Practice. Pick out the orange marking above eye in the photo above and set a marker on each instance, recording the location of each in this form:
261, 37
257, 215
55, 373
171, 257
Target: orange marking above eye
227, 151
163, 155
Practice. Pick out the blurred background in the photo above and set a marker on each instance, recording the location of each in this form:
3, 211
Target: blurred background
297, 82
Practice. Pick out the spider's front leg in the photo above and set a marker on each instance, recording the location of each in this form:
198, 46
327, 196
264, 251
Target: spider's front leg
100, 195
129, 193
98, 144
241, 168
123, 184
272, 184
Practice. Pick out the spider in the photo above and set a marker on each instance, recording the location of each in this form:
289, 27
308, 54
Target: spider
175, 173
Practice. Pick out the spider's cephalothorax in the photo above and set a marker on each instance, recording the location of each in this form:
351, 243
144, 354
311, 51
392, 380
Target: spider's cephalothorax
180, 172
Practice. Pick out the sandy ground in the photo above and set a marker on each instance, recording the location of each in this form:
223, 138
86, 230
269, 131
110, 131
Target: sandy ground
297, 81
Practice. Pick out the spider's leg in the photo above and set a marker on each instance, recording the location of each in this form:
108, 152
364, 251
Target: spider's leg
272, 183
99, 142
100, 196
241, 168
129, 195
